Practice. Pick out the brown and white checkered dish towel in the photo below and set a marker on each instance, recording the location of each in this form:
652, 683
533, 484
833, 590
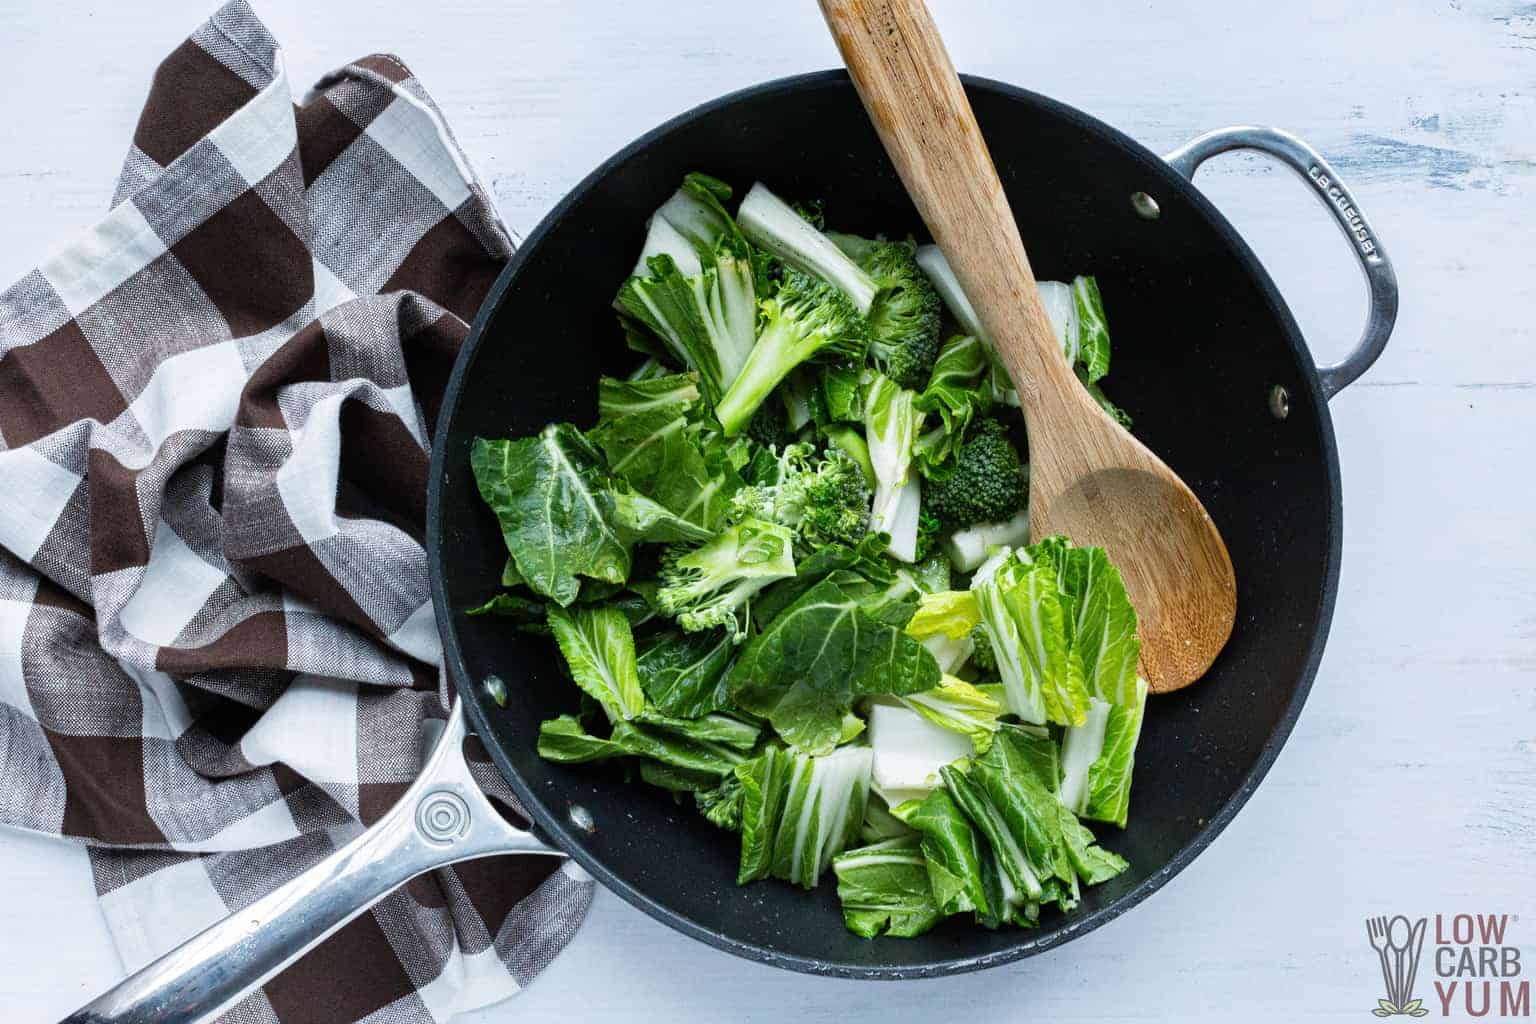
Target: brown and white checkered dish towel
217, 650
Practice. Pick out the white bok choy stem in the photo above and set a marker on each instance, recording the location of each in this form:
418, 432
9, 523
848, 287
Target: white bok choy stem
891, 422
773, 224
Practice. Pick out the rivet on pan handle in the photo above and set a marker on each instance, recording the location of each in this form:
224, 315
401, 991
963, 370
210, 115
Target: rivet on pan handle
1324, 182
443, 818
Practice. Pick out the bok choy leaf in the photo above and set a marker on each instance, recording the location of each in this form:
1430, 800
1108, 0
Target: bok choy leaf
883, 889
799, 811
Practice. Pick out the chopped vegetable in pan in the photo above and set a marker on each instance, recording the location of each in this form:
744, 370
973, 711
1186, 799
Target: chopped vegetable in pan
790, 573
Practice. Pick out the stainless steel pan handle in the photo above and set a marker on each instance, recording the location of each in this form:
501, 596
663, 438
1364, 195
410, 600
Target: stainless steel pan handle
443, 818
1380, 278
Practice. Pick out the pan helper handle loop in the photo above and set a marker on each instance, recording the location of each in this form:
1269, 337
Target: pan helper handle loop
1339, 199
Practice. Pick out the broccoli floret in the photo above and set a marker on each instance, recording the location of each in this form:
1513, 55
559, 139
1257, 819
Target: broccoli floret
929, 527
707, 586
824, 499
835, 502
904, 320
812, 211
722, 805
986, 484
806, 318
769, 426
769, 469
982, 655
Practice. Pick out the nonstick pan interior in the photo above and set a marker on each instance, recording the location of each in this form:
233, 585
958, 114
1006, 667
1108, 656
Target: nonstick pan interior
1200, 336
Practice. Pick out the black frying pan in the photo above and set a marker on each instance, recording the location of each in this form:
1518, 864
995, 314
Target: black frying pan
1208, 361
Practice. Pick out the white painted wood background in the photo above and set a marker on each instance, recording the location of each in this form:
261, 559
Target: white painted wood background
1408, 784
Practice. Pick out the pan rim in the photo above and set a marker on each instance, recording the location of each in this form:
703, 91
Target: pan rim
558, 830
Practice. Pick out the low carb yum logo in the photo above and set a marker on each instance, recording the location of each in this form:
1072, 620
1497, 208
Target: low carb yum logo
1476, 967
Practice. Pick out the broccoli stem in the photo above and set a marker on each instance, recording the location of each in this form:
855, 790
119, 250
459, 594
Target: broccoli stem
779, 349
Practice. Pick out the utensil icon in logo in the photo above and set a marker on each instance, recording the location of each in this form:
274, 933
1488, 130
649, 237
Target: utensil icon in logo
1397, 944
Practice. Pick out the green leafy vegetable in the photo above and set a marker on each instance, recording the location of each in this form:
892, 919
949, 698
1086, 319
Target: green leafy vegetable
1007, 776
842, 395
638, 518
853, 727
551, 496
565, 739
1109, 779
528, 614
804, 670
695, 285
1095, 392
891, 423
675, 779
785, 518
880, 823
697, 212
1026, 617
1103, 623
1093, 863
683, 674
1092, 343
932, 574
1024, 626
703, 477
883, 889
958, 391
800, 811
865, 562
773, 224
1098, 758
959, 707
652, 443
941, 617
1020, 880
952, 851
665, 397
725, 729
801, 400
600, 651
950, 613
651, 366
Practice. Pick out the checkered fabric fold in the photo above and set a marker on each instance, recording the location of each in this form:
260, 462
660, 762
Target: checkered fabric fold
218, 660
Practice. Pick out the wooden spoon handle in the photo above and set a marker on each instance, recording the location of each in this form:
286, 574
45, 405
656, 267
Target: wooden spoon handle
905, 78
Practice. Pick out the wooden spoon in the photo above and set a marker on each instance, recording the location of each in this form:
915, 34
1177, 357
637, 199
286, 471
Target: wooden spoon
1089, 478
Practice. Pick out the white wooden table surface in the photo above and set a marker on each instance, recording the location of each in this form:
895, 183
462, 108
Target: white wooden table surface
1410, 782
